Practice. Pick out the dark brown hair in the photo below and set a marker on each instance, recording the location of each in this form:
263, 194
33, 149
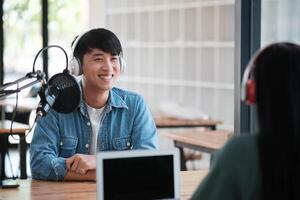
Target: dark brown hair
277, 76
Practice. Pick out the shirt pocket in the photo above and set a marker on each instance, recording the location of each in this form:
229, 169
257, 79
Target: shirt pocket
122, 143
68, 146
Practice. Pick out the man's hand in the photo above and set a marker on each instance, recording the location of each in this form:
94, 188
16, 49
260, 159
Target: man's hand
73, 176
81, 163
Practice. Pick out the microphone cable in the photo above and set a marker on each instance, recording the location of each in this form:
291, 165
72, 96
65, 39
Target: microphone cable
14, 113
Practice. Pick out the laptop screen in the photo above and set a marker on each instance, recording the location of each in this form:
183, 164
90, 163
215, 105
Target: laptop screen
139, 177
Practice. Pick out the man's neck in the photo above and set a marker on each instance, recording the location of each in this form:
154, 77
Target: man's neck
95, 99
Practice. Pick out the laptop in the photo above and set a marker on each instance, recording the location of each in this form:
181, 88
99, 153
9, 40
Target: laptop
138, 174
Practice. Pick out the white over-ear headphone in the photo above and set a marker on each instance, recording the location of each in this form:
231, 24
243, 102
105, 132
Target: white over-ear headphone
75, 66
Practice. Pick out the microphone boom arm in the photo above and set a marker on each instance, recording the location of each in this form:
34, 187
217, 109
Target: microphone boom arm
40, 77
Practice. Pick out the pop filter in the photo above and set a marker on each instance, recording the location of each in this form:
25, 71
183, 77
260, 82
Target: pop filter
69, 92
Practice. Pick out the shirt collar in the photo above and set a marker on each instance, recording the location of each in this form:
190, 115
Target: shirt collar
114, 100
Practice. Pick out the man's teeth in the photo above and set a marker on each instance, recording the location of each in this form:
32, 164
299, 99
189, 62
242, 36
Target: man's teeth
106, 77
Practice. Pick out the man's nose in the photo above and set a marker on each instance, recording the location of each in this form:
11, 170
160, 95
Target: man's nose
107, 65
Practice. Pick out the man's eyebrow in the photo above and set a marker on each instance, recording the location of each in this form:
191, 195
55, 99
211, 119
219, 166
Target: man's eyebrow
97, 54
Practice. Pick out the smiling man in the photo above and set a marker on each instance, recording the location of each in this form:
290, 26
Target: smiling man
63, 146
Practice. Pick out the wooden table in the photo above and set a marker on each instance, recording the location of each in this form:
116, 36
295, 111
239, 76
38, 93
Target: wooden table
171, 122
17, 129
205, 141
33, 189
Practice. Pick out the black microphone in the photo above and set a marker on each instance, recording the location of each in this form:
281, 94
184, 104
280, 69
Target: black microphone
62, 93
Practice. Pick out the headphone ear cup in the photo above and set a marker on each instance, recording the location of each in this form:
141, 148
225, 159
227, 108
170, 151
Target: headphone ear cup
75, 66
122, 64
250, 92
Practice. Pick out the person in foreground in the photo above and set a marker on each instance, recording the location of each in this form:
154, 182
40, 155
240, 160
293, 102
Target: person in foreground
265, 165
63, 146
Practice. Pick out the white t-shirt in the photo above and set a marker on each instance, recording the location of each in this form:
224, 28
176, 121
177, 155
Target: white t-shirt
95, 117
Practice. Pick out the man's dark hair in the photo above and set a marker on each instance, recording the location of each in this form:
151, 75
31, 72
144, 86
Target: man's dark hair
99, 38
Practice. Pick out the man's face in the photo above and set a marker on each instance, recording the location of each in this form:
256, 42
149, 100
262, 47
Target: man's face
100, 69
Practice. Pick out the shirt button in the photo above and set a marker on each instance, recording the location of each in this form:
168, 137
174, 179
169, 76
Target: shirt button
86, 145
88, 123
61, 143
128, 144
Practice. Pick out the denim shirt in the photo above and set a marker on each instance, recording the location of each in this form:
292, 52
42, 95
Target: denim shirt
126, 124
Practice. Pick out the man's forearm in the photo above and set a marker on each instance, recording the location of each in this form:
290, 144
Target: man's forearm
89, 176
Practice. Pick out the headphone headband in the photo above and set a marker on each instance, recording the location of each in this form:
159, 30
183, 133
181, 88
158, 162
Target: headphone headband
248, 88
76, 41
248, 73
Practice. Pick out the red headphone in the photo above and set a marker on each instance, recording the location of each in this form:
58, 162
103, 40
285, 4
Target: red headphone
248, 91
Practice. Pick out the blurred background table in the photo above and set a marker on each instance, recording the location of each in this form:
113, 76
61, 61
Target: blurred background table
204, 141
172, 122
25, 106
17, 129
